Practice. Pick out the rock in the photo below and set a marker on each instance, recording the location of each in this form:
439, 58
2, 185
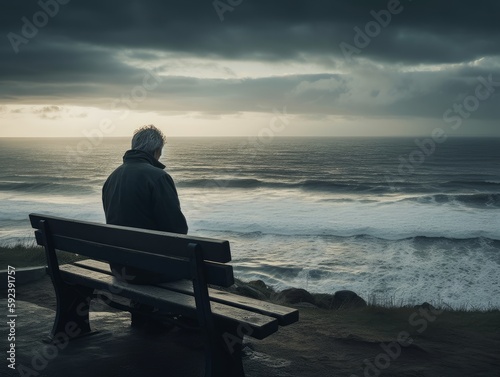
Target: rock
305, 305
347, 299
295, 295
246, 290
425, 306
261, 287
254, 289
323, 300
259, 284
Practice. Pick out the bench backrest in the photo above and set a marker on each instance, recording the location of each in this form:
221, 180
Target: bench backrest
146, 249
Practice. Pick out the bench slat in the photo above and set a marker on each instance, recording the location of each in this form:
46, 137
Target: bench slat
283, 314
151, 241
253, 324
218, 274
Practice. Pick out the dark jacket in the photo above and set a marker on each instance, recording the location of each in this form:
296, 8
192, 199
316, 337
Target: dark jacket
141, 194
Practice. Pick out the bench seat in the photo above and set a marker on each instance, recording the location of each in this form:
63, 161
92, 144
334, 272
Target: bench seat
284, 315
171, 301
222, 318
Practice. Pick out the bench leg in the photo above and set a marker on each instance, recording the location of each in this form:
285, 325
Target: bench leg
225, 357
72, 315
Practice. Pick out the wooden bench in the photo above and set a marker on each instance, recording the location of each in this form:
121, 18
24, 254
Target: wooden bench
223, 318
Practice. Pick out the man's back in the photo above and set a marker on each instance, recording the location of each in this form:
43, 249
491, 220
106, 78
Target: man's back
141, 194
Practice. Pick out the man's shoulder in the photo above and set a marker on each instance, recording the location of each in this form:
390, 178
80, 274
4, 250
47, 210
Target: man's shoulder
142, 167
146, 171
155, 174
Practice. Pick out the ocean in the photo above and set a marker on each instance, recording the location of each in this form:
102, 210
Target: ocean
397, 220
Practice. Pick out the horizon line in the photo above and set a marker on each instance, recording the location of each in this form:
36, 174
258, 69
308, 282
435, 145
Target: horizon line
250, 136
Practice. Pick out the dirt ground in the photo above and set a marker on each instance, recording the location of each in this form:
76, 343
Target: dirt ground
364, 342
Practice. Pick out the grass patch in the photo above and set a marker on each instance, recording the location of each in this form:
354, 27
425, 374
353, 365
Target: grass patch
391, 301
30, 256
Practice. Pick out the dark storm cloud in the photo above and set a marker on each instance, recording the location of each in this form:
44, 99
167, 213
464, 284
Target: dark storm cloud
63, 61
82, 56
417, 94
422, 31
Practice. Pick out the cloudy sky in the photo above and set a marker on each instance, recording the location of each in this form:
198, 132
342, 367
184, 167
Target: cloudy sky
247, 67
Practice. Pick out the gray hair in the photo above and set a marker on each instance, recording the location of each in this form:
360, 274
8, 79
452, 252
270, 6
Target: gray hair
148, 139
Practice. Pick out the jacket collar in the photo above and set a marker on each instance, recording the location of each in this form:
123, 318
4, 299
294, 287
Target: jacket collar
135, 155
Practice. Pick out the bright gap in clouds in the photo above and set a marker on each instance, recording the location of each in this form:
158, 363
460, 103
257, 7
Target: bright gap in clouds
169, 64
236, 98
75, 121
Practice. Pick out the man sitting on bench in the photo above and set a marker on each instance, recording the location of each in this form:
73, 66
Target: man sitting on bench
140, 194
